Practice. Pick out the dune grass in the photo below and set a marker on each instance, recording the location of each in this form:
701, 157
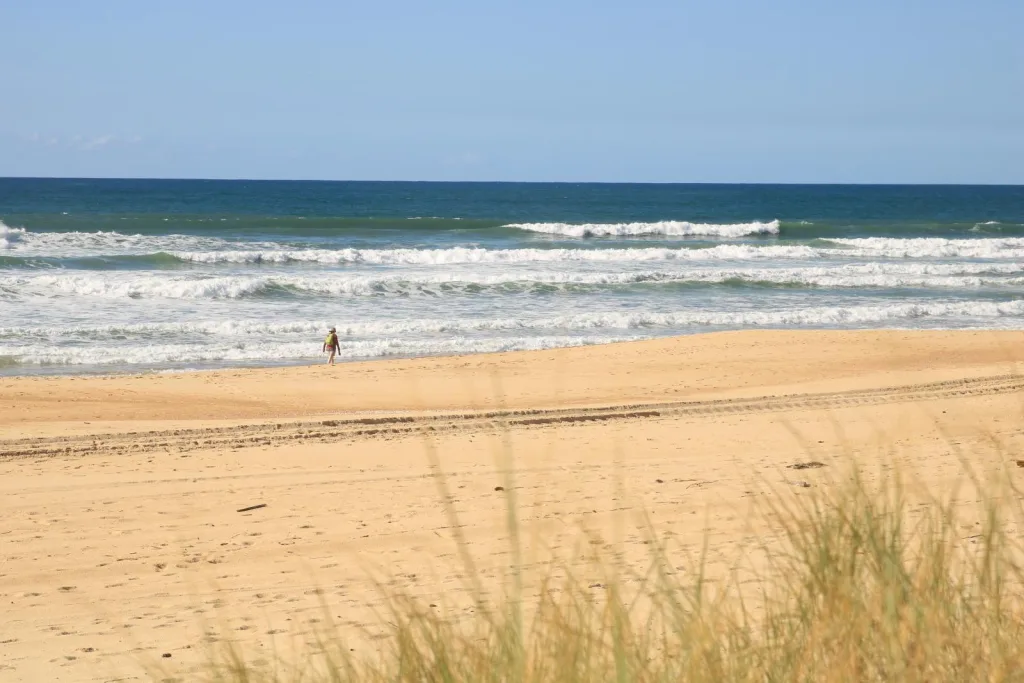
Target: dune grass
860, 584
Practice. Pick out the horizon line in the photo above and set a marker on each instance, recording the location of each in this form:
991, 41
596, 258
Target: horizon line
517, 182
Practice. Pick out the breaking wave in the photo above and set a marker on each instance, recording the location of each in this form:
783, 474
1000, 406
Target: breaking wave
871, 247
159, 250
173, 286
934, 247
9, 236
664, 228
21, 242
459, 255
247, 329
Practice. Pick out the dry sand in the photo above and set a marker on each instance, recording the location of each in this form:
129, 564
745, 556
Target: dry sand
121, 539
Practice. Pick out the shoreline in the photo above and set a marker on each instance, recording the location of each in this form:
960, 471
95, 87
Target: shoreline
266, 365
100, 371
284, 364
714, 365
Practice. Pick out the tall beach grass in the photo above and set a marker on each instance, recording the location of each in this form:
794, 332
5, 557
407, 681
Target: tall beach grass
858, 582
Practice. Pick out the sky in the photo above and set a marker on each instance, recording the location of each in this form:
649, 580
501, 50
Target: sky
860, 91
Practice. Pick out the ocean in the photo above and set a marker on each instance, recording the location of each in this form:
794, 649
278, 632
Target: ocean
173, 275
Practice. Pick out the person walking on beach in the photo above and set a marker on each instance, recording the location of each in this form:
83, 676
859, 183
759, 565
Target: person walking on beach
331, 345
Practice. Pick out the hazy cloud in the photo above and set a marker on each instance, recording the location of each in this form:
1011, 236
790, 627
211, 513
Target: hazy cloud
40, 139
98, 142
84, 143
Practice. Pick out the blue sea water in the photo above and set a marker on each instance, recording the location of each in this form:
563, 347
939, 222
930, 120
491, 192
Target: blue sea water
129, 275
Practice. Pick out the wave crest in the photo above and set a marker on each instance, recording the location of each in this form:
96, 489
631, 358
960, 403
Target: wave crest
137, 285
469, 255
9, 236
612, 320
21, 242
933, 247
664, 228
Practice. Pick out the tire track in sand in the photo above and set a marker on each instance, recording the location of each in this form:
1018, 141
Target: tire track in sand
342, 428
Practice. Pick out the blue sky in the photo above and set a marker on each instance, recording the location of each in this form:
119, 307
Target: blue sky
684, 91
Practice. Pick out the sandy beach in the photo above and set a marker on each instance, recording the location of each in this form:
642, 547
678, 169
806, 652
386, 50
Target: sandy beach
122, 540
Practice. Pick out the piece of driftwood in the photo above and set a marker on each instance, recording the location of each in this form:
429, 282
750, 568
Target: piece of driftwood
253, 507
812, 465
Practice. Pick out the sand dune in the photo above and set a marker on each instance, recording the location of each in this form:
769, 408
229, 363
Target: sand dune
122, 539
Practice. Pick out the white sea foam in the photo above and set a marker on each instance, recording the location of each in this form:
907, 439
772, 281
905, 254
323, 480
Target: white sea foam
872, 247
9, 236
260, 351
146, 330
459, 255
21, 242
612, 320
398, 337
136, 286
934, 247
198, 286
665, 228
199, 249
807, 317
